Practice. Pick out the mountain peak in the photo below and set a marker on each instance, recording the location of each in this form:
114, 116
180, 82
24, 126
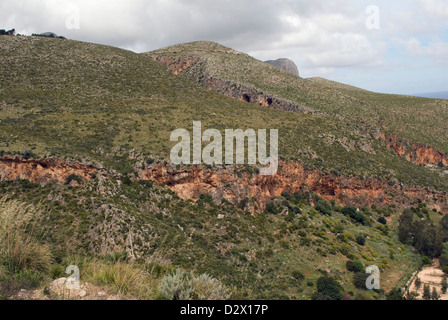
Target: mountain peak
286, 65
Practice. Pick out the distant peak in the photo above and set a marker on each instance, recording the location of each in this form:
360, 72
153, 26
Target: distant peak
286, 65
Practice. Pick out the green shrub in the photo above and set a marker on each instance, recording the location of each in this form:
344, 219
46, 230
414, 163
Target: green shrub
185, 286
427, 260
272, 208
354, 214
327, 289
360, 279
355, 266
57, 271
361, 240
324, 207
298, 275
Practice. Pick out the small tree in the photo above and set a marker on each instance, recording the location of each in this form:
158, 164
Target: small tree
444, 285
427, 292
361, 240
435, 294
418, 283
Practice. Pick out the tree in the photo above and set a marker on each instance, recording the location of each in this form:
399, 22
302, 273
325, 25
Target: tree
405, 226
435, 294
427, 292
444, 285
324, 207
418, 283
327, 289
428, 239
444, 228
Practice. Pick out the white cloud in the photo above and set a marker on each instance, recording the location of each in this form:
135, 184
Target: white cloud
436, 50
321, 36
434, 9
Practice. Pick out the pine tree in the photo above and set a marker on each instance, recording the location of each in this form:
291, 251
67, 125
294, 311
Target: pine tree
444, 285
427, 292
435, 294
418, 283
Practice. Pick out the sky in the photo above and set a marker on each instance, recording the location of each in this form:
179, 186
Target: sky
398, 46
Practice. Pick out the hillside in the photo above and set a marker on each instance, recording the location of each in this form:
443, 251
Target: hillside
418, 120
84, 158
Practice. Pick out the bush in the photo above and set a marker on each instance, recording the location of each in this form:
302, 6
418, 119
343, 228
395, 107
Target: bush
349, 211
361, 240
355, 266
208, 288
395, 295
298, 275
382, 220
354, 214
445, 270
122, 277
185, 286
427, 261
324, 207
57, 271
272, 208
327, 289
359, 280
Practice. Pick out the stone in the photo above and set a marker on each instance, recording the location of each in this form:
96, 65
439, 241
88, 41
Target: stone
285, 65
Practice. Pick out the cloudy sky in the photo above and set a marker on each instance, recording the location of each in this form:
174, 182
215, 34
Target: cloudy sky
398, 46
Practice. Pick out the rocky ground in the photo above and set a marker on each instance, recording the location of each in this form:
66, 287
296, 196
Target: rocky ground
58, 291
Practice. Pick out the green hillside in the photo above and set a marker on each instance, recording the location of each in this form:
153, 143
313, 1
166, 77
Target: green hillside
418, 119
79, 100
117, 109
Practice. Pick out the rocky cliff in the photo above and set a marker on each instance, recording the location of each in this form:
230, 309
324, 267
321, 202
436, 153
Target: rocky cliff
286, 65
236, 186
417, 153
43, 171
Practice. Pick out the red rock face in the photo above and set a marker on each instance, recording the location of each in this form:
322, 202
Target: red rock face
292, 177
418, 154
191, 183
43, 171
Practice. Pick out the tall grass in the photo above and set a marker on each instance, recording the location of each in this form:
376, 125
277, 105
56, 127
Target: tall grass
19, 248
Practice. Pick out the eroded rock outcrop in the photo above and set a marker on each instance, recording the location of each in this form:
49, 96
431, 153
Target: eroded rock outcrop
235, 186
45, 171
228, 88
418, 154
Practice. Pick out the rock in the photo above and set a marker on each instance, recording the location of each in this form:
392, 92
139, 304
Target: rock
101, 294
286, 65
82, 293
221, 216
